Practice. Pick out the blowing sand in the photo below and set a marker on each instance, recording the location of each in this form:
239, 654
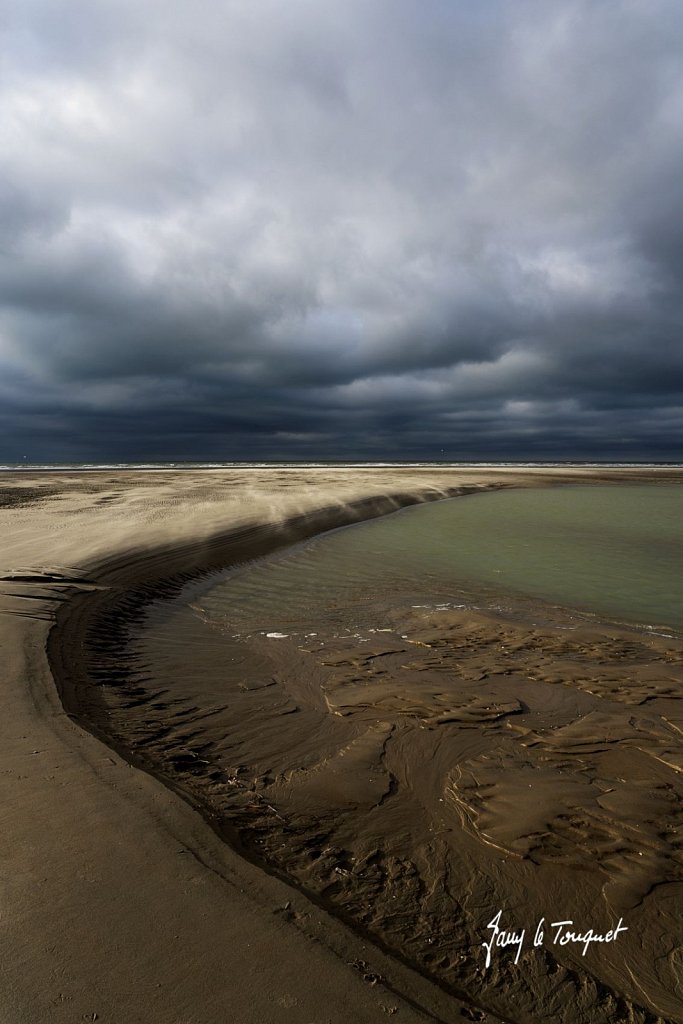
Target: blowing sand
207, 888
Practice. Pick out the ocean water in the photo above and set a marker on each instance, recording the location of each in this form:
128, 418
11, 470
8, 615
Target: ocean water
612, 551
317, 464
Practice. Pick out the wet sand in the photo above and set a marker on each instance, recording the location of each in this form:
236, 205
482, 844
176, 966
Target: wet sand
361, 811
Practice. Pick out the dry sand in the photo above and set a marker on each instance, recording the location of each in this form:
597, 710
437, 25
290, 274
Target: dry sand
119, 900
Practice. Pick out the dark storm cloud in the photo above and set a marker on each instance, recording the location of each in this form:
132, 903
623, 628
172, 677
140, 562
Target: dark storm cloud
341, 228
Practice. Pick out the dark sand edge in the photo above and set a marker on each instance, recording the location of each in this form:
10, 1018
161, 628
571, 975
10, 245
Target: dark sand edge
111, 598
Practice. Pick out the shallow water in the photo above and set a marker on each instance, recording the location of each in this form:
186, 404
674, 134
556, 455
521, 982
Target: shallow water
613, 551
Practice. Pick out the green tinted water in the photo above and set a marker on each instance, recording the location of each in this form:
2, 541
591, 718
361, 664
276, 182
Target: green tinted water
615, 551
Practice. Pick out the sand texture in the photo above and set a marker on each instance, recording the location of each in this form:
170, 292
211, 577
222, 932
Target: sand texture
315, 833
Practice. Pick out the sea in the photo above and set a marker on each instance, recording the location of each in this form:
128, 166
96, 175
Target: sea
615, 552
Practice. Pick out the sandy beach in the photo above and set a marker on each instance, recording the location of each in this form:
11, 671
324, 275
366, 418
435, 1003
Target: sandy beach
147, 880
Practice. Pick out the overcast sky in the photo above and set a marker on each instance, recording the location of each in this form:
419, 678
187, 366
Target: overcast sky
341, 228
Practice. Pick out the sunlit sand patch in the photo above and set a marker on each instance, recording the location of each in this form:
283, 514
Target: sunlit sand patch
352, 778
583, 794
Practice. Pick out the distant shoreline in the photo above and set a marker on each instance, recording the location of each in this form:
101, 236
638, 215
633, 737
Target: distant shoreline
59, 467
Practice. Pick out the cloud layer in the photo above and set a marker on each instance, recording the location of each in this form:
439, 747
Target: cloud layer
333, 228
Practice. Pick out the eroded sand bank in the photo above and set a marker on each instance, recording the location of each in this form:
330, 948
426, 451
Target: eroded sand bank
120, 901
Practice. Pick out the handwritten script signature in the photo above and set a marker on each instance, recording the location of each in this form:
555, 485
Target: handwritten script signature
562, 934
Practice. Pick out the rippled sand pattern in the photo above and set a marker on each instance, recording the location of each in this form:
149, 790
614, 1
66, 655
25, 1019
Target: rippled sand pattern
420, 775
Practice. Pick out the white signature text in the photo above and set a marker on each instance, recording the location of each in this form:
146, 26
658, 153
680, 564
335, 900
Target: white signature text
560, 933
